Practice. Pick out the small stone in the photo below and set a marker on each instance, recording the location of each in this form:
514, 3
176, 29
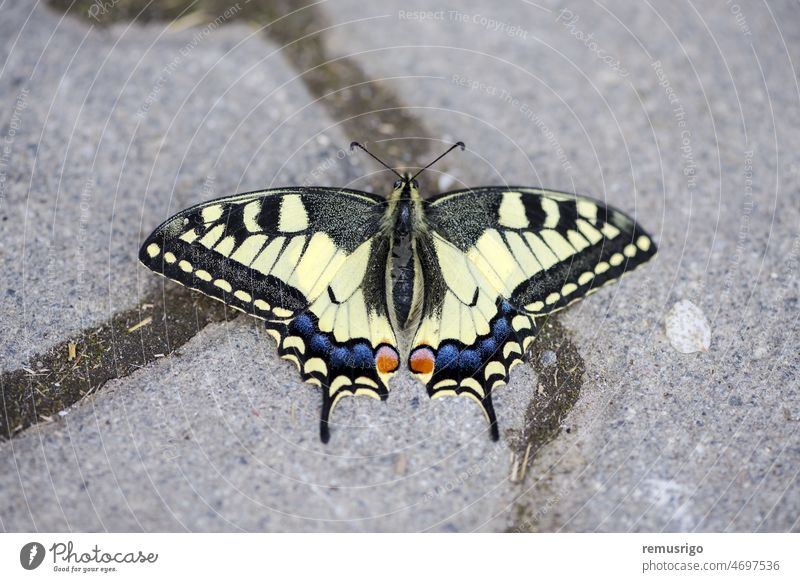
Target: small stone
548, 358
687, 328
445, 181
400, 464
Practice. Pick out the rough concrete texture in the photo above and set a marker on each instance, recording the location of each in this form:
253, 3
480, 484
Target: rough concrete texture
686, 115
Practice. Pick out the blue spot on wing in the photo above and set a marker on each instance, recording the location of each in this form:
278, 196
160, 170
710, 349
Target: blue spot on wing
303, 325
447, 356
488, 348
340, 358
501, 330
469, 362
362, 356
320, 344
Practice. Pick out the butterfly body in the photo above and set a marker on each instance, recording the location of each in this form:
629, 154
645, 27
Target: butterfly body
477, 269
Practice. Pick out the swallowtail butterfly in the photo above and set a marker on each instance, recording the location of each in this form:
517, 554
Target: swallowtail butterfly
485, 266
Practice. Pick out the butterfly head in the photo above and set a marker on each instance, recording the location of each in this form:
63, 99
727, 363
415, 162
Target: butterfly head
406, 186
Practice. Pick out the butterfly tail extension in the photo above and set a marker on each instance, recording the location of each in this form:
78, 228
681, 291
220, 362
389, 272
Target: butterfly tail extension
339, 369
331, 398
473, 370
488, 409
324, 421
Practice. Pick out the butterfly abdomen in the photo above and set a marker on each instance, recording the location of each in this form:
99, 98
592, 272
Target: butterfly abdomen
405, 220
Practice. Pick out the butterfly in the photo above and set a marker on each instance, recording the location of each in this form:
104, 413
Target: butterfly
352, 285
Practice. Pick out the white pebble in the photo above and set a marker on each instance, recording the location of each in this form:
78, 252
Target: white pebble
687, 328
445, 181
549, 358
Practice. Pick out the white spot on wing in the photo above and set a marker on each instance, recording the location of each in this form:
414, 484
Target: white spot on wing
250, 213
248, 250
587, 209
225, 248
211, 213
512, 211
609, 230
293, 215
189, 236
224, 285
212, 236
552, 214
242, 296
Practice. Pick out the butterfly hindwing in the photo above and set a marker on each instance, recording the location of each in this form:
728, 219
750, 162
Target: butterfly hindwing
301, 259
493, 260
469, 335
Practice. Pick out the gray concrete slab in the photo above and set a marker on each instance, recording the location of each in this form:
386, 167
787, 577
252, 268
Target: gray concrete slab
222, 436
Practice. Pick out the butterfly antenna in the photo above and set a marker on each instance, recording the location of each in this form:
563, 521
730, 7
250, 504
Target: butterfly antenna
355, 144
458, 144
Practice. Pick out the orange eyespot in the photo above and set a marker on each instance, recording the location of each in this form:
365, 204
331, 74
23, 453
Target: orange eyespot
422, 360
386, 360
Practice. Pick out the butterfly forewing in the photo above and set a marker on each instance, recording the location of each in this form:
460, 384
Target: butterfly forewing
541, 249
303, 260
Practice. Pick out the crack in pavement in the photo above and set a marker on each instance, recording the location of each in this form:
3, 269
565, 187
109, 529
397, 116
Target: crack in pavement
76, 368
